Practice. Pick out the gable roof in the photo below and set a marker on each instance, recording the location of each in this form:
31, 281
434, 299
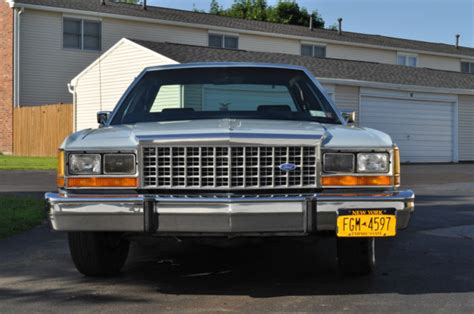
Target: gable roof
320, 67
249, 25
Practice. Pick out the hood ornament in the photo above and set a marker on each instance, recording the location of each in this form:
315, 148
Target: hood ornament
230, 124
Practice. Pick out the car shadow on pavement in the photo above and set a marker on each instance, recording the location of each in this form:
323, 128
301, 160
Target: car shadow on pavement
36, 195
285, 268
412, 263
36, 267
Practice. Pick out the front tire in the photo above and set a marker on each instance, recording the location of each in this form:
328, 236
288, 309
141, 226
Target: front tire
356, 256
98, 253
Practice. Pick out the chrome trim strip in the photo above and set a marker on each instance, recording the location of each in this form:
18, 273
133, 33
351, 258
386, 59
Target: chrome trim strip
229, 135
326, 197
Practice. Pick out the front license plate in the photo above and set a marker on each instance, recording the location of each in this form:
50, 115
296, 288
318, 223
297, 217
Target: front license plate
367, 222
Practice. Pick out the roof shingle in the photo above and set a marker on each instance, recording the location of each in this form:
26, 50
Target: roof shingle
236, 23
320, 67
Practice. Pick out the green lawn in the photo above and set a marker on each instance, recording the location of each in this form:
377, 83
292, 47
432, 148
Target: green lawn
27, 163
18, 214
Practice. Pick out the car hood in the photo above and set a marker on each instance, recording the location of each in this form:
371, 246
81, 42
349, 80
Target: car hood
122, 137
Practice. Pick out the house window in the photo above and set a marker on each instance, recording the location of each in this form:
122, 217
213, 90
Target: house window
313, 51
223, 41
467, 67
82, 34
409, 60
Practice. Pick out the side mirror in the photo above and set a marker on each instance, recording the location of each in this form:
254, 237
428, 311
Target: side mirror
349, 116
102, 117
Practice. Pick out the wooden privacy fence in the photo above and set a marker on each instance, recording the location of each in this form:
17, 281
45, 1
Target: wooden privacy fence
39, 130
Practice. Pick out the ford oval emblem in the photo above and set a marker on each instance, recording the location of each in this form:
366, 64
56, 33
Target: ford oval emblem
287, 167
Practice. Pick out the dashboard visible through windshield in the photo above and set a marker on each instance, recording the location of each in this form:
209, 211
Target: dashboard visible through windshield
224, 92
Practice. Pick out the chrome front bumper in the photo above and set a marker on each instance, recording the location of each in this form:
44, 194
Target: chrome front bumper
297, 215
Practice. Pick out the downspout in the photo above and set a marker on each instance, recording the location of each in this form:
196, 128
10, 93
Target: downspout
16, 56
72, 90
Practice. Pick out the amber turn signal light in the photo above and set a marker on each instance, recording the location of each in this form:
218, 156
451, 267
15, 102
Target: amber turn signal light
357, 181
60, 170
396, 166
94, 182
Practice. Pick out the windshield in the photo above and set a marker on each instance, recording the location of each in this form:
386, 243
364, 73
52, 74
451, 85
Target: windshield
233, 92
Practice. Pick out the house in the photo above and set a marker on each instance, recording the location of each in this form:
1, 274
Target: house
421, 93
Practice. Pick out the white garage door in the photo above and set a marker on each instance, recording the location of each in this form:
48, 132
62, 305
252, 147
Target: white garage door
422, 129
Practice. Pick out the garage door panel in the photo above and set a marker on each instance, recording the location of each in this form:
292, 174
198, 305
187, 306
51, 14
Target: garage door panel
423, 130
420, 148
417, 129
441, 121
385, 115
442, 133
417, 143
421, 159
434, 112
386, 118
410, 134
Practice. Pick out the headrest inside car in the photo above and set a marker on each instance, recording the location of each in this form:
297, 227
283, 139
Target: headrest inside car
177, 110
274, 108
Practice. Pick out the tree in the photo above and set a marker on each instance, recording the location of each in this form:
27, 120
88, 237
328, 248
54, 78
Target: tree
333, 27
289, 12
247, 9
285, 11
215, 8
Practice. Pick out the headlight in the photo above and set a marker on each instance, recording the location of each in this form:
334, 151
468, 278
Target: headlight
119, 164
372, 162
338, 162
84, 164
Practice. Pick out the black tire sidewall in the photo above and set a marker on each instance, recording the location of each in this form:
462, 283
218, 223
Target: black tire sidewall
98, 253
356, 256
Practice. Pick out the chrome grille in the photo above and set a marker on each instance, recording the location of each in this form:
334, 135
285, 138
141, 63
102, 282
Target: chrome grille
228, 167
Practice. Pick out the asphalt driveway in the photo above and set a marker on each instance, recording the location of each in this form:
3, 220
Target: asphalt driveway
427, 268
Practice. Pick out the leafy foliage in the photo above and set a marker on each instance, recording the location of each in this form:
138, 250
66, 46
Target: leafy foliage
285, 12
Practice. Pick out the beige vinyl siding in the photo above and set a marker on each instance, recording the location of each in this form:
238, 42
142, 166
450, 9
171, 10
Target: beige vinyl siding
114, 30
169, 96
347, 97
466, 127
45, 67
440, 63
100, 90
330, 89
269, 44
361, 54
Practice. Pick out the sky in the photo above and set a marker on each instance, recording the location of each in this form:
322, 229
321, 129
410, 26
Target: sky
427, 20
